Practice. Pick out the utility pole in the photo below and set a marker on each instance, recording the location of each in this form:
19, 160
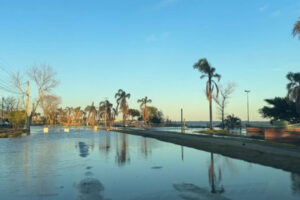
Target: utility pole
247, 91
28, 105
2, 108
182, 128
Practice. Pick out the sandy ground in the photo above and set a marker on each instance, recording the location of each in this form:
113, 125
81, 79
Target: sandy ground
281, 156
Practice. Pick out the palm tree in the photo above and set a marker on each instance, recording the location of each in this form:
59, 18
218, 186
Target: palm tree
296, 29
144, 107
69, 113
208, 71
77, 115
294, 88
91, 110
121, 97
106, 111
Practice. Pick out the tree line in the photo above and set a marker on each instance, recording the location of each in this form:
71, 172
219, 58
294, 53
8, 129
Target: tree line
52, 114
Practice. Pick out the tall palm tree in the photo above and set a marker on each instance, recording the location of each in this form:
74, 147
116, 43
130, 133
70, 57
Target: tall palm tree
210, 72
92, 111
68, 113
77, 115
121, 97
144, 108
294, 88
296, 29
106, 111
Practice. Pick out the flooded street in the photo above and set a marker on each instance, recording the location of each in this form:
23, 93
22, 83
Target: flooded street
84, 164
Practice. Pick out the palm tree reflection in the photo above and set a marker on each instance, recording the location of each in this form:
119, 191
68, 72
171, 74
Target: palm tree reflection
215, 180
122, 152
145, 147
295, 183
104, 146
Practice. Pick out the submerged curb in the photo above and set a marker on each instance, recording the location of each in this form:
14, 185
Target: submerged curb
281, 156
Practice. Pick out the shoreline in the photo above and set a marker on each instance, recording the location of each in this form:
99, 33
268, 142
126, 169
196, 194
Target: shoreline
276, 155
12, 133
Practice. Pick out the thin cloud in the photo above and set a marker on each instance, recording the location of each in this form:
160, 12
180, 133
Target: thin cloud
276, 13
165, 3
263, 8
151, 38
157, 37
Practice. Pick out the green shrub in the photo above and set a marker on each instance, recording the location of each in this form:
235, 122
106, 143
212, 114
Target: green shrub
17, 118
281, 123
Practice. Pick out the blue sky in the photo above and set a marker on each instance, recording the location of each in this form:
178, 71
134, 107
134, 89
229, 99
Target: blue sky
148, 48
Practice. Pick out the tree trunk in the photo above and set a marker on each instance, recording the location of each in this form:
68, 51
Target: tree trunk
298, 103
223, 125
210, 115
124, 120
28, 122
210, 104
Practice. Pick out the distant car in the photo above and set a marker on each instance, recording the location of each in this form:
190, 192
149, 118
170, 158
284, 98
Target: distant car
4, 123
137, 123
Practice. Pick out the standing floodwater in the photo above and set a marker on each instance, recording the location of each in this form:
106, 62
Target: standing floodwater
83, 164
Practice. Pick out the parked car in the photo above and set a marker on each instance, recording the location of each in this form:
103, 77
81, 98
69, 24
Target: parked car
4, 123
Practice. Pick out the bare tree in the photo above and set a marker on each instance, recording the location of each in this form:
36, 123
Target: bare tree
45, 80
50, 106
222, 99
10, 103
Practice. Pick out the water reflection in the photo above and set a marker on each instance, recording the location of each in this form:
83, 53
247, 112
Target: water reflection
105, 145
215, 179
83, 149
192, 191
145, 147
122, 155
295, 183
182, 153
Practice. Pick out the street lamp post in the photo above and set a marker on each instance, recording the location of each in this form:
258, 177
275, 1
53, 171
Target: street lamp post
247, 91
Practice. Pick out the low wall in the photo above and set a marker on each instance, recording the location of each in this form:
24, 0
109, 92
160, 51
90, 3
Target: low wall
283, 135
255, 131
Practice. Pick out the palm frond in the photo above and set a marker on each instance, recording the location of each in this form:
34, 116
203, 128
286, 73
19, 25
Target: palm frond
217, 89
218, 76
203, 66
289, 76
203, 76
289, 86
296, 29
